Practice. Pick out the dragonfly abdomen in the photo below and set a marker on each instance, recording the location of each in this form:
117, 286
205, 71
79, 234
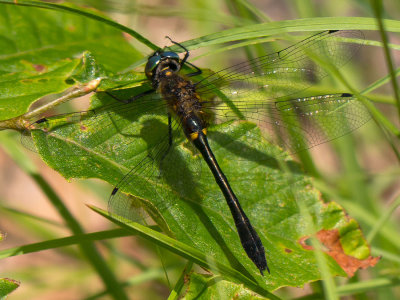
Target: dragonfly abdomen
249, 238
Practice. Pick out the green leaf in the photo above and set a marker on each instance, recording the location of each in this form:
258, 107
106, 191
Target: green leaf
40, 49
194, 210
85, 12
43, 36
90, 69
20, 89
7, 286
201, 286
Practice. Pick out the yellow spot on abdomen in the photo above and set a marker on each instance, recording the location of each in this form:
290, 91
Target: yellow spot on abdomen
194, 136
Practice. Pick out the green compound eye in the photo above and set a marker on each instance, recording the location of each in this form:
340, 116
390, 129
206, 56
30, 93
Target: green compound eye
170, 54
152, 64
155, 59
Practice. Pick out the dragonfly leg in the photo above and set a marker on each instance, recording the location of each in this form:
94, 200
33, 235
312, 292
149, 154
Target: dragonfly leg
184, 60
195, 73
164, 155
130, 100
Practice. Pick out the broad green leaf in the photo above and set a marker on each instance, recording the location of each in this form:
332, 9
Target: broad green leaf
90, 69
193, 209
20, 89
80, 11
7, 286
201, 286
43, 36
40, 49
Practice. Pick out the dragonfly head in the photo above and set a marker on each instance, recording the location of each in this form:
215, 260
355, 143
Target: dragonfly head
160, 62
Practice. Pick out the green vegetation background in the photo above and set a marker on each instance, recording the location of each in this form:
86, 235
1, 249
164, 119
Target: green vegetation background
358, 173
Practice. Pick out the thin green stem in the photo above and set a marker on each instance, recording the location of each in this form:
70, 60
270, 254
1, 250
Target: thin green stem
28, 215
187, 252
64, 242
383, 219
87, 247
177, 290
377, 8
394, 257
143, 277
358, 287
380, 82
22, 122
74, 93
367, 285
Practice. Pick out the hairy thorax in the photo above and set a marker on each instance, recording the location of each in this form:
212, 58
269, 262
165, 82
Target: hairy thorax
180, 93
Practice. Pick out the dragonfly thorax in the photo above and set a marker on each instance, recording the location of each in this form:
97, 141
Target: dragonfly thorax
179, 93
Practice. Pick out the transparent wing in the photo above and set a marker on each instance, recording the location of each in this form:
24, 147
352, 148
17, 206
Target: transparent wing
92, 128
258, 91
303, 123
108, 142
285, 72
165, 175
130, 144
157, 171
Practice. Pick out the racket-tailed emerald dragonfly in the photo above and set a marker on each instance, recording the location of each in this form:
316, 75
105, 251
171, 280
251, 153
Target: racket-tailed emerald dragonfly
264, 90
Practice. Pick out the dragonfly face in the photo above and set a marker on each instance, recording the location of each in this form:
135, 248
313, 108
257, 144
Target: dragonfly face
160, 62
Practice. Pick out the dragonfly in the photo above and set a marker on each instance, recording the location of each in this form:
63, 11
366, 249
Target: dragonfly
263, 90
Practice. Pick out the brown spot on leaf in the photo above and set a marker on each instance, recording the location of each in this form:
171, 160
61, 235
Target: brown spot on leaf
83, 127
330, 240
71, 28
288, 250
39, 68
